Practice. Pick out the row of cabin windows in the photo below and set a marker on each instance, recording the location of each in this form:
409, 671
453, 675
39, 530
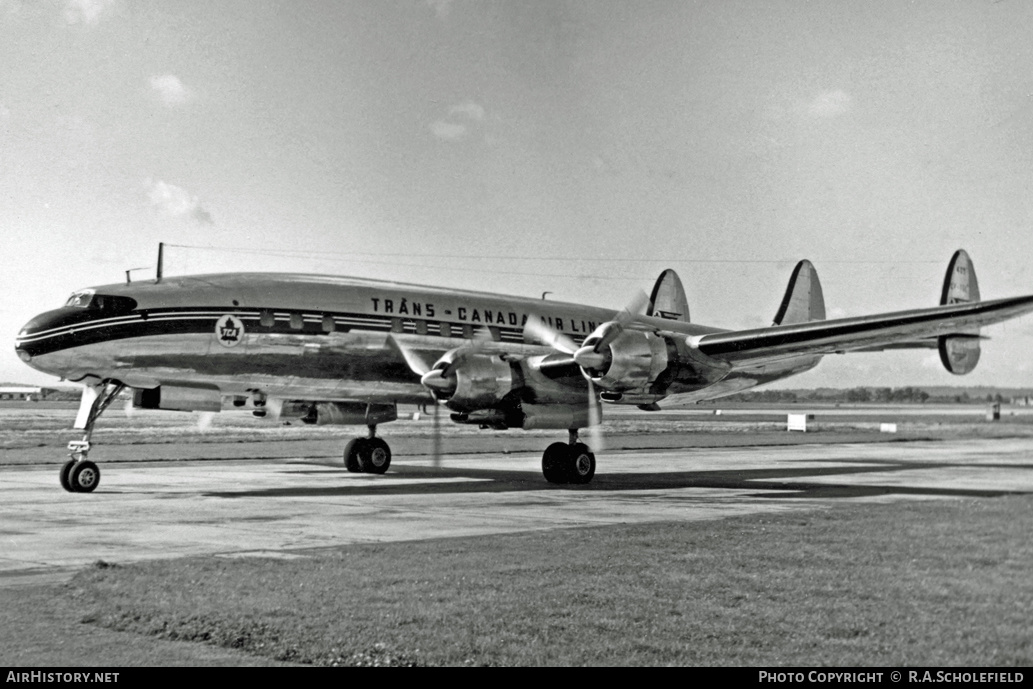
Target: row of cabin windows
267, 319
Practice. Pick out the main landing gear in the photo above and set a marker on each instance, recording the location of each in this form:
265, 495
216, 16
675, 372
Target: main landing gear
570, 462
80, 475
369, 455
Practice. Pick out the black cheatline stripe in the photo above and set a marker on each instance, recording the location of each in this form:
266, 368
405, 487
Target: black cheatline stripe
202, 320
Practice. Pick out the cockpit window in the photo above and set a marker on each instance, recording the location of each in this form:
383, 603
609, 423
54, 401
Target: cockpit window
87, 299
80, 300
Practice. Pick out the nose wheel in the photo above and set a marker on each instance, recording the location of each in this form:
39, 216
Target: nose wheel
80, 476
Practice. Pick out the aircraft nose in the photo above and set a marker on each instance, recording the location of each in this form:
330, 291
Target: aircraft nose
38, 335
23, 344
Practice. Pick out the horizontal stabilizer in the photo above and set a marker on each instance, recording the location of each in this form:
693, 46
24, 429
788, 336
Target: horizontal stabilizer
866, 333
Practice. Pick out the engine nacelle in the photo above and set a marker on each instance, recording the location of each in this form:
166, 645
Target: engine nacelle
468, 381
179, 398
634, 362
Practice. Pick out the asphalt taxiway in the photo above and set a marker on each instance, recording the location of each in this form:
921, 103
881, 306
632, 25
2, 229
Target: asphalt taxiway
281, 508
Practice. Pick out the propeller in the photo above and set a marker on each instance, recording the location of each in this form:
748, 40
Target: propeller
536, 329
592, 355
438, 378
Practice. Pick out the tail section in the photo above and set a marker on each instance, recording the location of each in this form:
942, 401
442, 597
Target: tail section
668, 298
803, 300
959, 353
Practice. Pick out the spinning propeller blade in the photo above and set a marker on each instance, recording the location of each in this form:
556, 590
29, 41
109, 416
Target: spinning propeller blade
536, 329
429, 377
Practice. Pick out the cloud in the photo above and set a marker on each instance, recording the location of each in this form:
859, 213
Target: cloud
469, 109
86, 12
830, 104
458, 122
825, 105
170, 90
440, 7
176, 201
449, 131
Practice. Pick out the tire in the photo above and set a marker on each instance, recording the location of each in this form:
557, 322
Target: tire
351, 454
374, 456
580, 464
554, 463
66, 481
84, 477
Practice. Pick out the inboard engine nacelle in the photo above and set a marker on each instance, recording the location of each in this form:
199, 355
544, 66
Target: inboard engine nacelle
633, 361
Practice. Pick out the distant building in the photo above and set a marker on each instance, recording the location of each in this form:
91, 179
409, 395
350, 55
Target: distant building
21, 392
1024, 401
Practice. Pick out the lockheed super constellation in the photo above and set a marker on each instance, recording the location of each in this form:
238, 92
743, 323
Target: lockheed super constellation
337, 350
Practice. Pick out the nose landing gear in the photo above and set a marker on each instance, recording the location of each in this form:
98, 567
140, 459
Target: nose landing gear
80, 475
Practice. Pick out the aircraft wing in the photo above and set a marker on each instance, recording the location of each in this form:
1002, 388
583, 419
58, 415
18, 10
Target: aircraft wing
746, 348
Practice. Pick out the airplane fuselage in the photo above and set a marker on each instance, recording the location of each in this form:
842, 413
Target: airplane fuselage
289, 336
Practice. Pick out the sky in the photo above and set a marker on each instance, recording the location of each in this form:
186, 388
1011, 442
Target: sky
575, 147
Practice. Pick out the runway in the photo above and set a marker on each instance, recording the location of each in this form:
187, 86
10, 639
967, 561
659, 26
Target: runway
277, 508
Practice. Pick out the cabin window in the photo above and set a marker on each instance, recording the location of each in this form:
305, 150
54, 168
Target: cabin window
445, 329
421, 327
328, 324
397, 326
467, 331
266, 319
297, 321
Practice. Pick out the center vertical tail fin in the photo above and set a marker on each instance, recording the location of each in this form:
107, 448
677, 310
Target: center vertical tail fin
668, 298
803, 300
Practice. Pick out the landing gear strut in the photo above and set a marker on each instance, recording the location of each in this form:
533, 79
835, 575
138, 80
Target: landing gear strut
369, 455
570, 462
80, 475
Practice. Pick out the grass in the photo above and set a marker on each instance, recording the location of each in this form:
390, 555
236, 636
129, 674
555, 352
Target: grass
942, 582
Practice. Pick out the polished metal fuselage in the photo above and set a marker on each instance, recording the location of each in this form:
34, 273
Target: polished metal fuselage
315, 337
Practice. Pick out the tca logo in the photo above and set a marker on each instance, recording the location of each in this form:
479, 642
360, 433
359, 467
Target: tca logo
229, 331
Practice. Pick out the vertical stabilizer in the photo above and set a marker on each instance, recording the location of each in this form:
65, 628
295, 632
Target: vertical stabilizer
803, 300
960, 353
668, 298
960, 285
